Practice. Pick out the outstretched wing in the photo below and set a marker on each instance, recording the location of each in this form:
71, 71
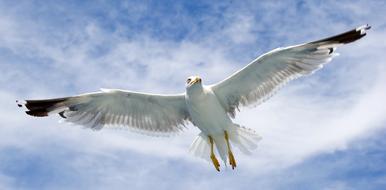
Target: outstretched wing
144, 112
260, 79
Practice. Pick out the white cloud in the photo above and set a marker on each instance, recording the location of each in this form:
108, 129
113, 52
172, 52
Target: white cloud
317, 114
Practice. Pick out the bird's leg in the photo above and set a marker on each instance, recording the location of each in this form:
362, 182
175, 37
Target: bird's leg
212, 156
232, 160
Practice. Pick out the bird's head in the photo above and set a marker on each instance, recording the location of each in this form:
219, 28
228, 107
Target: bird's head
193, 81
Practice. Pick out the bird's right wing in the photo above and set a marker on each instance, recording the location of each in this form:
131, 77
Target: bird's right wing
149, 113
261, 78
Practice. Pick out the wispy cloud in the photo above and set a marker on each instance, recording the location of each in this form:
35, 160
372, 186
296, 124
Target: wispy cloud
49, 50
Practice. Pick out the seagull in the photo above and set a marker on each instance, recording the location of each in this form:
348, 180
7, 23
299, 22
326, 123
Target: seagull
211, 108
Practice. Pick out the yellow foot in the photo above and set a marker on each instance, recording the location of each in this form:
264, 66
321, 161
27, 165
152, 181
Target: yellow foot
215, 162
232, 160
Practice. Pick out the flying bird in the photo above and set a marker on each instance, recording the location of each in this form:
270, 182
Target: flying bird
211, 108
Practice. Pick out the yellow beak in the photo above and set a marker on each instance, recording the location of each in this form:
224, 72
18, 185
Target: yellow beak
195, 81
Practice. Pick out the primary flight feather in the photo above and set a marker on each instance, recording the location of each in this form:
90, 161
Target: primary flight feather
210, 108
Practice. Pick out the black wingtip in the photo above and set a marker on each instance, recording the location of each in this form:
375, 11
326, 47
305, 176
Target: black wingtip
41, 108
367, 27
19, 104
61, 114
37, 113
347, 37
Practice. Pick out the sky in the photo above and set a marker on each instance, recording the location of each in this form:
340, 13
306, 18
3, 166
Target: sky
324, 131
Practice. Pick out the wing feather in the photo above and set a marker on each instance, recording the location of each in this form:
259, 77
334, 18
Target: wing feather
260, 79
145, 113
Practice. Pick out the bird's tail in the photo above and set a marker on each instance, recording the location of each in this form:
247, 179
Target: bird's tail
243, 138
201, 147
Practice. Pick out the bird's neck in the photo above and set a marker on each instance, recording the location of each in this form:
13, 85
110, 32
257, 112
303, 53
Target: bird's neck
195, 90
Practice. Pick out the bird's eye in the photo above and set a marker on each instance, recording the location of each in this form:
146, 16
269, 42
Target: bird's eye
188, 81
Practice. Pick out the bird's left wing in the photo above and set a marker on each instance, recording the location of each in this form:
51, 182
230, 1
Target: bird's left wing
144, 112
265, 75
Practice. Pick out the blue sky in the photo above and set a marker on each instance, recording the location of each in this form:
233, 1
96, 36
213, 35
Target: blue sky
324, 131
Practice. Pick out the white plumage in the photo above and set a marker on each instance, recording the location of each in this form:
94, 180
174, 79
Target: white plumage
210, 108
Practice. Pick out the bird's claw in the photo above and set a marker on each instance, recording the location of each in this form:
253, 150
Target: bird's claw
215, 162
232, 160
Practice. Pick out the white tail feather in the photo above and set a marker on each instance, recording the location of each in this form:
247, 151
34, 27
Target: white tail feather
201, 147
244, 139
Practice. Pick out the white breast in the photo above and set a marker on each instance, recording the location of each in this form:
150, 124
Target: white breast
206, 111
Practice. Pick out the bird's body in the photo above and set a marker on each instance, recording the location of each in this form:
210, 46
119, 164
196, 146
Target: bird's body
210, 108
206, 111
210, 117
